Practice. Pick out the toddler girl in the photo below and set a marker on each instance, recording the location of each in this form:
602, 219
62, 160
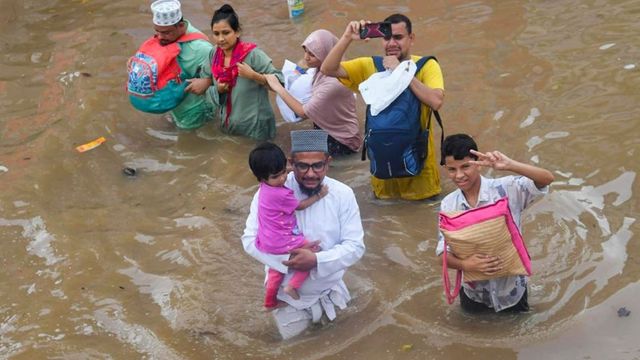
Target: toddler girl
278, 231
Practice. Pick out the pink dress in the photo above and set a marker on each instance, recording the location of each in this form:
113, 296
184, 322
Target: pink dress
277, 225
278, 234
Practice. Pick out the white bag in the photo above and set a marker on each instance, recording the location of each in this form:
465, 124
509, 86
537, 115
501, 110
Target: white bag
298, 85
382, 88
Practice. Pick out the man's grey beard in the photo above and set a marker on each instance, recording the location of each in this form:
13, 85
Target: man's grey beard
310, 191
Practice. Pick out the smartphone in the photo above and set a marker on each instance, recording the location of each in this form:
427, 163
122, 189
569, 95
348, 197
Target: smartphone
376, 30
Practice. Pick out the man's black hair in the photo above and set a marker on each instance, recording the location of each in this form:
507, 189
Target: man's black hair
399, 18
459, 146
267, 159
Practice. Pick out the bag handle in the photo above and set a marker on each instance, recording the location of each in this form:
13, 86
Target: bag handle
451, 296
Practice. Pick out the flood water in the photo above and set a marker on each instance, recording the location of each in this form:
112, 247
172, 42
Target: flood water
96, 265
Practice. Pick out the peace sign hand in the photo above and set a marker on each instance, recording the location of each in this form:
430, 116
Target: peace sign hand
493, 159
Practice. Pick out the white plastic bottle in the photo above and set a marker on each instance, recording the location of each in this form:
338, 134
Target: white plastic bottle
296, 8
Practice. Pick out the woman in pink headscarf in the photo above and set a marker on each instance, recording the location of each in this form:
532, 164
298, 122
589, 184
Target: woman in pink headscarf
332, 106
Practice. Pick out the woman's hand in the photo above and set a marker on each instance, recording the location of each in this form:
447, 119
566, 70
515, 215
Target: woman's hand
246, 71
273, 82
198, 85
223, 88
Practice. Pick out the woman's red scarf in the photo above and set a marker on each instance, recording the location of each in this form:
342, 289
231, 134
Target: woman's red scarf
229, 74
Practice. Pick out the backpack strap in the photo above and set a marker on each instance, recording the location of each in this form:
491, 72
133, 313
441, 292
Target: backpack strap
439, 120
419, 64
377, 62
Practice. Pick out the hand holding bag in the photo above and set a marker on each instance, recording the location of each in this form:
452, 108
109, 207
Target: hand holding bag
488, 230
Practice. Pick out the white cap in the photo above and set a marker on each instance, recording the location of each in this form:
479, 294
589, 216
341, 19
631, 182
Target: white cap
166, 12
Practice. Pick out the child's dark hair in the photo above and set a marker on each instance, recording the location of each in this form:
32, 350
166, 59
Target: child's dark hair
267, 159
226, 12
459, 146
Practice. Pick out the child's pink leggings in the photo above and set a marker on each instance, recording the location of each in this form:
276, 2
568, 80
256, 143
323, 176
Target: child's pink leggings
274, 279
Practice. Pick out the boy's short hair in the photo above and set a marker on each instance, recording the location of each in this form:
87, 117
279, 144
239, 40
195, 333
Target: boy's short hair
459, 146
267, 159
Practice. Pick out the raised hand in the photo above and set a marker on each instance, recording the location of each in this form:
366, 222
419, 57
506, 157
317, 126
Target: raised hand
492, 159
353, 29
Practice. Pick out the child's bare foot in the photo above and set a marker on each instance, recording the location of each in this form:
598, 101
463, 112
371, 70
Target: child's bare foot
291, 292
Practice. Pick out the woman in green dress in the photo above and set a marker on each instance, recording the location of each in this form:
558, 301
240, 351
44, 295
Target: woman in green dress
238, 87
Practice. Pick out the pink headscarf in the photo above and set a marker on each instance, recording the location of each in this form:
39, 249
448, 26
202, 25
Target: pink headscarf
332, 106
319, 43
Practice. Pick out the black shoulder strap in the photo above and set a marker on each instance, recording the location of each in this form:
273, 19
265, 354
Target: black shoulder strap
419, 64
439, 120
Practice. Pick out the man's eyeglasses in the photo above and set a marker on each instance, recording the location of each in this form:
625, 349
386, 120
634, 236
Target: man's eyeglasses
304, 167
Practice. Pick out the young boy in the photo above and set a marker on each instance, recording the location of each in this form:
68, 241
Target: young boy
462, 163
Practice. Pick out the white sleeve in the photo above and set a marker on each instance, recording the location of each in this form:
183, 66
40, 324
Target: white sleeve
522, 191
351, 247
249, 238
445, 205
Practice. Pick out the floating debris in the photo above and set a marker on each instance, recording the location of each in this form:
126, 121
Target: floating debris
131, 172
533, 114
607, 46
91, 145
623, 312
407, 347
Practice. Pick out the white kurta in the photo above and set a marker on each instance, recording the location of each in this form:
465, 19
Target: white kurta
335, 221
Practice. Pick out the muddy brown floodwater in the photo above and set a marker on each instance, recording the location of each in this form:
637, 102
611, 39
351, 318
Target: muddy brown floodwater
97, 265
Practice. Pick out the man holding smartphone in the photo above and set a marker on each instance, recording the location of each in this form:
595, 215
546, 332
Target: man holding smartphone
427, 86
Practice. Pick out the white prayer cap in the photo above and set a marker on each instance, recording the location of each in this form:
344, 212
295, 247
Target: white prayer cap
166, 12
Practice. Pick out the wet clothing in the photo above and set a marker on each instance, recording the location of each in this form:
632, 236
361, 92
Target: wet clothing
273, 282
473, 307
278, 234
427, 183
251, 114
332, 107
194, 110
335, 221
278, 231
505, 292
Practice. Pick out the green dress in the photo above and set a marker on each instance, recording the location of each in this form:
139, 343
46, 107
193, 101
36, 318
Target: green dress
251, 113
194, 110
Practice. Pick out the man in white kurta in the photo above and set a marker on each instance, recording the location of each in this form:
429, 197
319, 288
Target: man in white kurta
334, 220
